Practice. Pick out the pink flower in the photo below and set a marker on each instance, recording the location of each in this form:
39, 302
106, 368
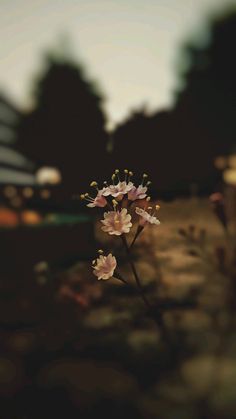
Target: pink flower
104, 266
98, 201
137, 193
118, 190
146, 217
117, 222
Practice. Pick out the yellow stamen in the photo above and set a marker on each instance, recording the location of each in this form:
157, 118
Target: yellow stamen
131, 174
117, 171
114, 202
126, 171
82, 196
100, 251
116, 218
149, 183
93, 183
158, 207
148, 198
145, 175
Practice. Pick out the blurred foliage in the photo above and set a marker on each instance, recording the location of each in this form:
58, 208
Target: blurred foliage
66, 127
73, 346
177, 146
210, 82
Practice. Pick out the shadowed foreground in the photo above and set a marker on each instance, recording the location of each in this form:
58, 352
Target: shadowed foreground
75, 347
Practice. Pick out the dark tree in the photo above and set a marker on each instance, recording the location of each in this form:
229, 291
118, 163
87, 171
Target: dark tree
178, 147
139, 144
211, 84
66, 127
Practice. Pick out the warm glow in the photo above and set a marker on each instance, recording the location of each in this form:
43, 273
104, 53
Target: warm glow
45, 194
28, 192
229, 176
220, 162
10, 191
48, 176
8, 218
30, 217
232, 161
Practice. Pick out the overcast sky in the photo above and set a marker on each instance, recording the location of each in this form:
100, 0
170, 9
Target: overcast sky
129, 46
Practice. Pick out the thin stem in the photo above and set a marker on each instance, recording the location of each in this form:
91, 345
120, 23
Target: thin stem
158, 317
118, 276
135, 273
139, 230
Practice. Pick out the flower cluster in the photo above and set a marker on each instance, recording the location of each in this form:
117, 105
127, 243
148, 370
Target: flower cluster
117, 190
104, 266
117, 222
121, 199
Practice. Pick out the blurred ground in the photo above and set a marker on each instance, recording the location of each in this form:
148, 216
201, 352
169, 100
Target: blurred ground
74, 347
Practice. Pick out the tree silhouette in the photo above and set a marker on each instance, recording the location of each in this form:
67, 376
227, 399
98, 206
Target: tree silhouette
66, 127
178, 147
211, 84
136, 143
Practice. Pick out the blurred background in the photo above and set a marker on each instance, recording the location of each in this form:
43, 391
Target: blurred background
87, 87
